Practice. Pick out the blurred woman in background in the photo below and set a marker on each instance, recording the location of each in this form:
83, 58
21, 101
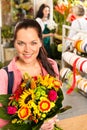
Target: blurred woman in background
42, 17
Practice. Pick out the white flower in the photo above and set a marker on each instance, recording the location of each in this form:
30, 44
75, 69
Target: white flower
51, 25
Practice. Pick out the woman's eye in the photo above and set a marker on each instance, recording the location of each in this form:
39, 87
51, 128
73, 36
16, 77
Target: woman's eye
20, 43
34, 42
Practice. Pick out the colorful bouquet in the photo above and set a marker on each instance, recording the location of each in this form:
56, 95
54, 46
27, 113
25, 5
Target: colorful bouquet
36, 99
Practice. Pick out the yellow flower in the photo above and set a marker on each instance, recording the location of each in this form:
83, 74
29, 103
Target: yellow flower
24, 112
14, 121
43, 115
57, 84
35, 108
23, 85
46, 80
27, 96
26, 79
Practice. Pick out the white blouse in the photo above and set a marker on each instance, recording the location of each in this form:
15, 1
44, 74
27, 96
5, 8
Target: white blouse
42, 23
78, 24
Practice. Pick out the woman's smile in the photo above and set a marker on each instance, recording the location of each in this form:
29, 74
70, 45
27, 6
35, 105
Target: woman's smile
27, 55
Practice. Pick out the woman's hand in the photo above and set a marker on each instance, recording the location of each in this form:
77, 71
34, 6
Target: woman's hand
49, 124
56, 36
51, 34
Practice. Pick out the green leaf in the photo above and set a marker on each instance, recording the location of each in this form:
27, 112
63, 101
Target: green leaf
17, 127
4, 99
37, 127
57, 127
3, 114
64, 109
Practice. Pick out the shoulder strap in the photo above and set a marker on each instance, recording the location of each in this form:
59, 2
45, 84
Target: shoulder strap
10, 80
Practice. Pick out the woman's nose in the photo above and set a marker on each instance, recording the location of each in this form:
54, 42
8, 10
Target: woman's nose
27, 47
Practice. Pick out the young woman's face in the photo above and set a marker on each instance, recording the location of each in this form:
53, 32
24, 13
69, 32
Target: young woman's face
27, 45
46, 12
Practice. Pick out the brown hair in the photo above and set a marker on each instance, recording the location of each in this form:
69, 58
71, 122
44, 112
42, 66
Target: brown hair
40, 11
78, 10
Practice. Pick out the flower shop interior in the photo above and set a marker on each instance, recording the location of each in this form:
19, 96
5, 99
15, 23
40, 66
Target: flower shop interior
71, 62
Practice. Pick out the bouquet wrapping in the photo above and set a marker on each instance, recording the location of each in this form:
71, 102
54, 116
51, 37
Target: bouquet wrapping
36, 99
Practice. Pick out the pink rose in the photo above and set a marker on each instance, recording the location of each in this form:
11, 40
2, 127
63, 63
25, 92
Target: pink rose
52, 95
11, 110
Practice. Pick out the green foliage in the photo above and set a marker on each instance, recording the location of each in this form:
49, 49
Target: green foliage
21, 9
1, 65
3, 114
6, 32
60, 19
4, 99
17, 127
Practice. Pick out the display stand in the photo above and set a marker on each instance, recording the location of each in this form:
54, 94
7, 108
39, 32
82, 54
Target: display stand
69, 58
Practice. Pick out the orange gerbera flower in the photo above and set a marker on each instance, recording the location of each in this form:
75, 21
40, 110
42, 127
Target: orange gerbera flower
44, 105
24, 112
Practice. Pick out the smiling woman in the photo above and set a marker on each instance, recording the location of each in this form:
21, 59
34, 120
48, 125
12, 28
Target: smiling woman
31, 59
26, 45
